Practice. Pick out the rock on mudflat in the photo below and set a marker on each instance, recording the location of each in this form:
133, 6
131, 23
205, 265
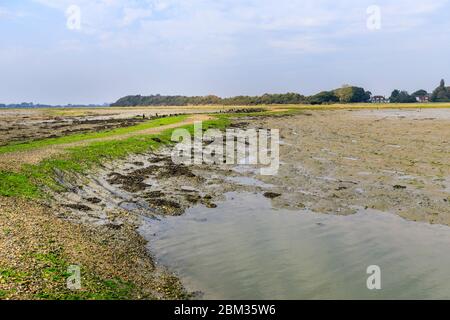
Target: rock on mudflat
272, 195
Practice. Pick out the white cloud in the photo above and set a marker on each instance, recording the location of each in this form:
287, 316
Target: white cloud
294, 26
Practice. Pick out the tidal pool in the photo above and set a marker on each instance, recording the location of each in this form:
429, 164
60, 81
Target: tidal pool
245, 249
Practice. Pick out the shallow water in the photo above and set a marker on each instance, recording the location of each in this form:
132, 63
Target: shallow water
244, 249
248, 181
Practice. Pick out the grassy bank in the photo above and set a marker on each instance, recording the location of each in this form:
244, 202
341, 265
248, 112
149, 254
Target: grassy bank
92, 135
36, 246
33, 179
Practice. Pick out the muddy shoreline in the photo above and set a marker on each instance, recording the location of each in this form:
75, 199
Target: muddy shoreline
25, 125
331, 163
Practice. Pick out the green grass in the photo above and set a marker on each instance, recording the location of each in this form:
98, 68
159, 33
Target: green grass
53, 269
4, 294
14, 184
93, 289
11, 275
33, 179
92, 135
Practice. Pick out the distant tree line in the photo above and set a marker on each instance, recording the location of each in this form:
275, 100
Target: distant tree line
29, 105
346, 94
159, 100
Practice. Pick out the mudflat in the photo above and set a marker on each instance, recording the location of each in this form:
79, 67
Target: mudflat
331, 162
334, 162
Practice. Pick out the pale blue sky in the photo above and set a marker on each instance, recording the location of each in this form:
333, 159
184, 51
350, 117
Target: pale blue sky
223, 47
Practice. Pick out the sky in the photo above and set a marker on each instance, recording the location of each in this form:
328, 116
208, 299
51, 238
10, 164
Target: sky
96, 51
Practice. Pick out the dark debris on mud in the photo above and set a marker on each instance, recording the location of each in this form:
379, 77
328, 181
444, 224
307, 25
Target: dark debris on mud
80, 207
272, 195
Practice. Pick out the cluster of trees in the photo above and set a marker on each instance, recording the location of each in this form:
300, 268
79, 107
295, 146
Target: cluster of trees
441, 93
346, 94
403, 96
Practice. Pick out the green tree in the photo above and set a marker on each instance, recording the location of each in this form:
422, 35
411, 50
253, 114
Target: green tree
324, 97
441, 93
398, 96
350, 94
420, 93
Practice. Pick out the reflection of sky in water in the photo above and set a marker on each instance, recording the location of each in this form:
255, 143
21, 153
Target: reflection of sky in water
244, 249
248, 181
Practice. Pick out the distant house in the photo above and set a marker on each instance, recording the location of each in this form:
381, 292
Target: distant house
379, 99
423, 99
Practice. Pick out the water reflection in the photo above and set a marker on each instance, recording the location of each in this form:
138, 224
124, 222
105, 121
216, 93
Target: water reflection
244, 249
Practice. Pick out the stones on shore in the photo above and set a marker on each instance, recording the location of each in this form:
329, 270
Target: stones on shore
188, 189
399, 187
114, 226
159, 158
133, 182
153, 194
175, 170
272, 195
79, 207
210, 205
193, 198
167, 206
94, 200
